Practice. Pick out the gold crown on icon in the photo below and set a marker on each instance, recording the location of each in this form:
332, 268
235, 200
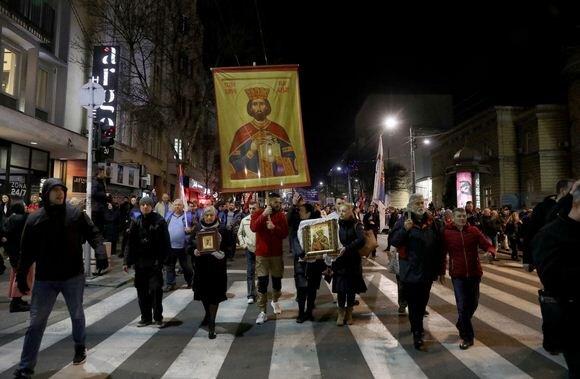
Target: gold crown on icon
257, 93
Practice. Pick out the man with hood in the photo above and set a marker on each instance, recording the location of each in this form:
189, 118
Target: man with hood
53, 237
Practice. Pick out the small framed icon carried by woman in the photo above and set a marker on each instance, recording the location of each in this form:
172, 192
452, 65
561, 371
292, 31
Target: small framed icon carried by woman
207, 242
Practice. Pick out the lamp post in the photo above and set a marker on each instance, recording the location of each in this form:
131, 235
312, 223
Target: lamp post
412, 145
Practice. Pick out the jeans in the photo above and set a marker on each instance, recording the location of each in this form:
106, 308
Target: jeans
44, 296
467, 298
417, 296
251, 273
400, 293
185, 263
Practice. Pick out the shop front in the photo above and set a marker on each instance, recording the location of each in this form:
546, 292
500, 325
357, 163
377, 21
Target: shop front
22, 170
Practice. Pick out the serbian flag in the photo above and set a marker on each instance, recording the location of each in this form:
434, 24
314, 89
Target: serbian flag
181, 191
379, 186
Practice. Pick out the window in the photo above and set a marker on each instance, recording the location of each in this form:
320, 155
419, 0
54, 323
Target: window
20, 156
10, 72
42, 89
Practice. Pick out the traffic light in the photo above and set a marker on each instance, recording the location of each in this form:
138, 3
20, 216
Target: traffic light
106, 134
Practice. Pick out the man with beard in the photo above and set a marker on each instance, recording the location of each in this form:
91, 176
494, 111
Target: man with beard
418, 238
271, 227
261, 148
53, 238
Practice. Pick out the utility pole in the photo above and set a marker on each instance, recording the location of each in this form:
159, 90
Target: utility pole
412, 145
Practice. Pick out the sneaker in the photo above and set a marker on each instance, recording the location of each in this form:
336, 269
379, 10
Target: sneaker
159, 324
143, 323
22, 374
250, 300
170, 287
19, 307
262, 318
80, 355
276, 306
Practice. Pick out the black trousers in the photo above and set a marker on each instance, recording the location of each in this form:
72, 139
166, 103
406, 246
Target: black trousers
400, 293
417, 296
345, 298
573, 361
149, 286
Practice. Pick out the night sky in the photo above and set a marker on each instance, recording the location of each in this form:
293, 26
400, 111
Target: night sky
508, 53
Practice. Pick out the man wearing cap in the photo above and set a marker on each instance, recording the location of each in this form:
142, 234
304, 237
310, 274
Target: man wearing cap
261, 148
271, 227
147, 249
53, 238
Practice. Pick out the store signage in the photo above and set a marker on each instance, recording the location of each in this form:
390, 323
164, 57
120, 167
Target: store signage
79, 184
105, 72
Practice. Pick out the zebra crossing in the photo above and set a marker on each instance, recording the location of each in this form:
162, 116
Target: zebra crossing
508, 337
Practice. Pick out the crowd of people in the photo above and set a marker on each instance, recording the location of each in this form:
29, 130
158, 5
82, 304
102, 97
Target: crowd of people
424, 244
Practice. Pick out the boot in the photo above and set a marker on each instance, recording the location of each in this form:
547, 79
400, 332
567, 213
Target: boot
17, 305
340, 318
348, 315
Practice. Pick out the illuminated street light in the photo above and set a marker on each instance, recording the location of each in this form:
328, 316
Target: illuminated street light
339, 168
391, 122
427, 141
320, 183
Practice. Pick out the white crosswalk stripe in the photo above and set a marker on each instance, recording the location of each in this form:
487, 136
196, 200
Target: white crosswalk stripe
383, 353
294, 352
104, 358
56, 332
512, 283
202, 357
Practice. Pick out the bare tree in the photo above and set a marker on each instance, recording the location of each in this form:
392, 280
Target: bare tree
164, 90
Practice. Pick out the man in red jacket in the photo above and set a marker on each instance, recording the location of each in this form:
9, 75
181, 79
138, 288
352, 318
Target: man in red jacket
271, 228
461, 241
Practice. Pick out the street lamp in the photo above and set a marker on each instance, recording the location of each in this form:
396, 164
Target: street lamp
391, 122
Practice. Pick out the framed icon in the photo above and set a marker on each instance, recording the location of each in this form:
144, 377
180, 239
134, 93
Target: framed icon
321, 238
207, 241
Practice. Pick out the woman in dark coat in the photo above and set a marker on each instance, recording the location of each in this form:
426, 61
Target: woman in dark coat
210, 272
371, 221
347, 278
111, 227
512, 230
11, 234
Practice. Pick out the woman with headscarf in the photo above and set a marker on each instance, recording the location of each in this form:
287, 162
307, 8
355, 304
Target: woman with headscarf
347, 279
210, 271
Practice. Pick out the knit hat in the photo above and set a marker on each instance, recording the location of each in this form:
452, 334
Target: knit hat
146, 200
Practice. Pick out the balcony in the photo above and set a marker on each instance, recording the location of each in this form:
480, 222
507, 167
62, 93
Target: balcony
36, 16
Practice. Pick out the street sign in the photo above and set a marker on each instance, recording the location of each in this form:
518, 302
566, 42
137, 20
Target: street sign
92, 96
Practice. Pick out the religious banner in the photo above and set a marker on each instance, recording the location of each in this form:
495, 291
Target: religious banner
260, 128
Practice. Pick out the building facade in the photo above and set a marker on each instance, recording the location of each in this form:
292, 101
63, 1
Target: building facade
503, 156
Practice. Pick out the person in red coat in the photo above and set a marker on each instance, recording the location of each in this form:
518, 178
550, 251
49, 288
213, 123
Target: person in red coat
271, 227
461, 241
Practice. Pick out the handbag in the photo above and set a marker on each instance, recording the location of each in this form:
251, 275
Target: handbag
370, 244
553, 322
13, 290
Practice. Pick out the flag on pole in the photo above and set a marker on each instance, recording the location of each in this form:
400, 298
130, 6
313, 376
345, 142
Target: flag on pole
181, 192
379, 187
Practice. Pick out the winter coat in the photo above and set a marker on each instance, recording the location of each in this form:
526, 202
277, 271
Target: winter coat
148, 243
160, 208
210, 273
12, 230
246, 237
420, 249
269, 242
347, 269
111, 226
374, 217
53, 237
489, 226
462, 248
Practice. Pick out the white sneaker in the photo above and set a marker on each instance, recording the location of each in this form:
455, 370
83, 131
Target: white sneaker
276, 306
250, 300
262, 318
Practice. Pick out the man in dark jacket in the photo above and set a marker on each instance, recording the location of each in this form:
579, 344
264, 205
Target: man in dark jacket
147, 249
544, 213
461, 241
53, 237
417, 237
555, 253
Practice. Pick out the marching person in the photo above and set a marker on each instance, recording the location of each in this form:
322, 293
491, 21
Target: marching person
210, 270
179, 224
371, 221
555, 254
271, 228
307, 273
417, 237
247, 239
147, 249
347, 278
164, 206
461, 241
53, 238
11, 235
